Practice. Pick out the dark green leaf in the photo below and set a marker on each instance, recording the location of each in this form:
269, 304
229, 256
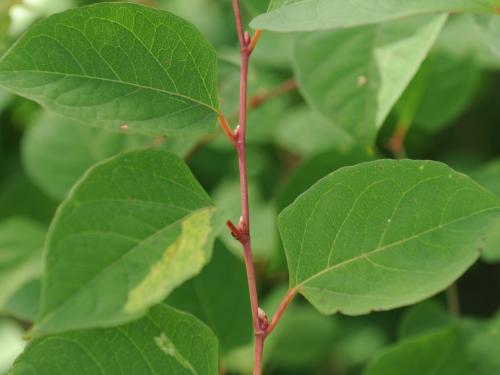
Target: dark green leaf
440, 352
132, 230
165, 341
117, 66
219, 297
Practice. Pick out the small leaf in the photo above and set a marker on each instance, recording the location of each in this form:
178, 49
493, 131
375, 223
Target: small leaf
21, 243
221, 302
310, 15
440, 352
117, 65
165, 341
384, 234
133, 229
360, 76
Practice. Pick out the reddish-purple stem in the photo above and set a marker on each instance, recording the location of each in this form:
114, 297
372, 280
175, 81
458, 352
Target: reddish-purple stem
242, 231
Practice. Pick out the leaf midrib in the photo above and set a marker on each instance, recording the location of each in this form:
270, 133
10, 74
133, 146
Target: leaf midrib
109, 80
387, 247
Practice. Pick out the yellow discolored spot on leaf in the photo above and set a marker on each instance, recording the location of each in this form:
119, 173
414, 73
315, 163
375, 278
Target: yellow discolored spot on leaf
168, 347
181, 260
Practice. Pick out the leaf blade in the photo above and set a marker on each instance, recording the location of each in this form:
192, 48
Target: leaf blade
307, 15
153, 72
148, 346
139, 221
369, 237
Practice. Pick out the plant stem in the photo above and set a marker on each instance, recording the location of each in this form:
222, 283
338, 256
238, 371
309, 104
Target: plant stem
243, 230
281, 309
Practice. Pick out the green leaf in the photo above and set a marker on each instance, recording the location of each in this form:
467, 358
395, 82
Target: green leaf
118, 65
489, 177
441, 91
489, 30
440, 352
82, 146
384, 234
21, 243
133, 229
461, 38
483, 347
227, 195
11, 342
360, 76
309, 15
25, 302
307, 133
219, 297
315, 168
422, 318
165, 341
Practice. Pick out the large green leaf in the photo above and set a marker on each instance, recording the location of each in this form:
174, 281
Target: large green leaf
384, 234
360, 76
219, 297
118, 65
21, 243
309, 15
134, 228
165, 341
440, 352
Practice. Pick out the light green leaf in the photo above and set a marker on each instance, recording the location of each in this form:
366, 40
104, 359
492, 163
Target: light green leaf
309, 15
489, 177
489, 30
440, 352
11, 342
360, 76
116, 66
21, 243
227, 195
52, 136
384, 234
165, 341
219, 297
461, 38
133, 229
307, 133
82, 146
24, 303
